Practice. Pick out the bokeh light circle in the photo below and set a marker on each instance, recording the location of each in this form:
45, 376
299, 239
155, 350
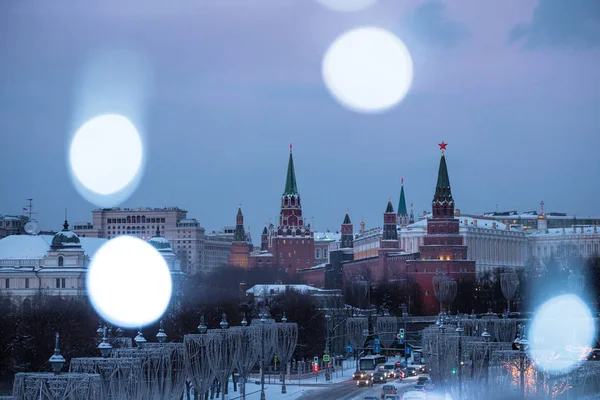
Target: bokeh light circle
129, 283
347, 5
562, 328
368, 70
106, 156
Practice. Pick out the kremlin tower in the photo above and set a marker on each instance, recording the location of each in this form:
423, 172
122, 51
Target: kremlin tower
290, 245
443, 251
240, 249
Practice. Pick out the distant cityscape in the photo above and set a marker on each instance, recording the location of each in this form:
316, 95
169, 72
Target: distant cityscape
442, 241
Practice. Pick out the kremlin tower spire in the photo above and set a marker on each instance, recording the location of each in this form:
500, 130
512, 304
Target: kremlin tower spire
239, 235
443, 204
389, 240
291, 188
264, 239
411, 219
347, 233
402, 217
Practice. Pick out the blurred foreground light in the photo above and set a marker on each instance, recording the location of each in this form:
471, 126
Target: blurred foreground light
368, 70
129, 283
347, 5
562, 328
106, 157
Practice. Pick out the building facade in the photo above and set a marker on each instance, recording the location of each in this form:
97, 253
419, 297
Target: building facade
197, 250
57, 265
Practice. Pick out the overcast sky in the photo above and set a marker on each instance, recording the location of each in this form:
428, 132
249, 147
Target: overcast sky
511, 85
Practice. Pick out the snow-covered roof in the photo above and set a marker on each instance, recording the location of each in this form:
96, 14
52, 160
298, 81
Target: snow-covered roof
369, 232
259, 290
481, 223
327, 236
587, 230
261, 254
23, 247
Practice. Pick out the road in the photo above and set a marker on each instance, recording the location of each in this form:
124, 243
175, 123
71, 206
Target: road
347, 390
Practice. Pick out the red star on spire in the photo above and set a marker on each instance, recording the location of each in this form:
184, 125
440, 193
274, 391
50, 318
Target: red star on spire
443, 145
290, 147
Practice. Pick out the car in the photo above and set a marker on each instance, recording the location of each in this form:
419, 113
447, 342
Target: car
366, 380
379, 377
411, 371
421, 380
419, 387
389, 370
359, 374
388, 390
414, 395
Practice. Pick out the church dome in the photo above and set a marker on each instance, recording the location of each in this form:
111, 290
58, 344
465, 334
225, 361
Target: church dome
65, 238
159, 242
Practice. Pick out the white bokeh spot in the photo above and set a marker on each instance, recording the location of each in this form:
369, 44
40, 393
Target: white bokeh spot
347, 5
106, 154
562, 328
129, 283
368, 70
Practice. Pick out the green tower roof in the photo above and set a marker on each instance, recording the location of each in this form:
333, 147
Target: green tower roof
291, 187
442, 189
402, 202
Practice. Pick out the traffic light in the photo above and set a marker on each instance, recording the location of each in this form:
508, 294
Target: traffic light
316, 367
401, 333
316, 360
453, 370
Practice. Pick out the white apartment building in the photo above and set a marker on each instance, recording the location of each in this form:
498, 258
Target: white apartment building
57, 264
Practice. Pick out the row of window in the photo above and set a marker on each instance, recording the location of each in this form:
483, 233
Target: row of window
133, 228
60, 283
135, 219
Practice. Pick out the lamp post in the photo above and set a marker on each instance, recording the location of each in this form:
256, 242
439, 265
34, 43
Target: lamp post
328, 318
140, 340
104, 347
263, 320
486, 338
404, 319
442, 329
459, 330
161, 336
57, 361
522, 344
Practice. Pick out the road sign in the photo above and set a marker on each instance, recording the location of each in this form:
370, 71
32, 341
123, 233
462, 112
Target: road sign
400, 341
349, 349
326, 357
376, 340
408, 350
377, 349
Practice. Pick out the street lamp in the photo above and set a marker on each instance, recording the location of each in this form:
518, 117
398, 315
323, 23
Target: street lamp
263, 320
57, 361
140, 340
522, 345
202, 328
486, 338
327, 321
100, 330
459, 330
104, 347
161, 336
